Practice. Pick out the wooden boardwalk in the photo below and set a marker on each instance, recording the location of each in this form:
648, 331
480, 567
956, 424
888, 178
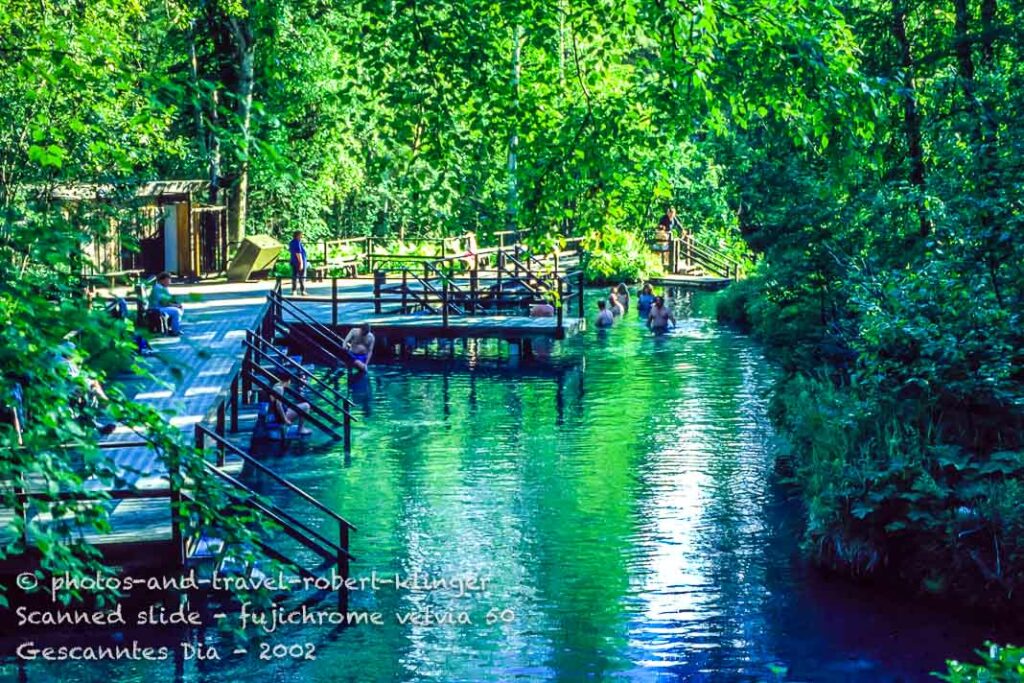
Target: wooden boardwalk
190, 376
506, 327
355, 307
692, 281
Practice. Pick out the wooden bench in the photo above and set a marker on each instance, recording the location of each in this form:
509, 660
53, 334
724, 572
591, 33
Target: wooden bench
349, 266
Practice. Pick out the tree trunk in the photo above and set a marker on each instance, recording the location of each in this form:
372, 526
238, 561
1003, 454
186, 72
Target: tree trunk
513, 138
238, 209
988, 20
983, 135
911, 116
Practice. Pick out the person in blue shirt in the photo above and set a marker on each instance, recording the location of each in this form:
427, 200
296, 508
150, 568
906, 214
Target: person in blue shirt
299, 262
160, 299
646, 299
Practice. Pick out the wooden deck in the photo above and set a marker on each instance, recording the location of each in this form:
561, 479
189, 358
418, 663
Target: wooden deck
692, 281
395, 327
190, 377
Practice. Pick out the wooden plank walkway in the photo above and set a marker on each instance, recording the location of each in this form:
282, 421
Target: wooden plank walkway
693, 281
419, 325
191, 375
459, 326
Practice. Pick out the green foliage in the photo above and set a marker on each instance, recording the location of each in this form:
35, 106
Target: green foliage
614, 256
890, 287
883, 492
1000, 664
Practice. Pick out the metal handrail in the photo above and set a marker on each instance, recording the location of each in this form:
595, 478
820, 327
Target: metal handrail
346, 402
285, 520
282, 326
296, 394
266, 386
221, 441
319, 327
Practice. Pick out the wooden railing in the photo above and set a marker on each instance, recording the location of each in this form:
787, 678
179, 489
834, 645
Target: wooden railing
686, 252
332, 552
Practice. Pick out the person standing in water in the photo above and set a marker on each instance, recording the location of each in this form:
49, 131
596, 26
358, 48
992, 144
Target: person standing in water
659, 317
614, 305
645, 299
299, 262
622, 296
359, 342
605, 318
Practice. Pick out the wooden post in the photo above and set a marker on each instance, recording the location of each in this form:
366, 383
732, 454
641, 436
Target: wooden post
347, 416
379, 278
579, 294
221, 424
501, 264
343, 568
444, 304
367, 250
560, 330
405, 292
246, 383
326, 260
474, 283
334, 301
234, 404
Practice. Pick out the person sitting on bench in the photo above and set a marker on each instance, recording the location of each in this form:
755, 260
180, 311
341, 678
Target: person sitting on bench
285, 415
359, 342
161, 300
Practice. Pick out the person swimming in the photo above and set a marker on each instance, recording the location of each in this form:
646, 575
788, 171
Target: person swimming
659, 316
605, 318
359, 342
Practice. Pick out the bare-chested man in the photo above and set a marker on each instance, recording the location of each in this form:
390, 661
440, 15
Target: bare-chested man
660, 316
359, 343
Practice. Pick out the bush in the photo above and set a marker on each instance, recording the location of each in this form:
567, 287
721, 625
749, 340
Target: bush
883, 491
615, 255
732, 306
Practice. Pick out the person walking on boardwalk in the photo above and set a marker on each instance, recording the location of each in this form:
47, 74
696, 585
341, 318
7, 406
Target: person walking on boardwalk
605, 318
359, 342
659, 317
663, 235
299, 262
160, 299
669, 221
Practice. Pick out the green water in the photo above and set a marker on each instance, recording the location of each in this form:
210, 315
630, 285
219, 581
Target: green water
618, 499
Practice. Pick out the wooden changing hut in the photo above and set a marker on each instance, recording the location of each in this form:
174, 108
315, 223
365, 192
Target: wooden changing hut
162, 225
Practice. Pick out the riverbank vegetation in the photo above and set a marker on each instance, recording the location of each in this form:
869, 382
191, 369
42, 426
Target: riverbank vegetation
867, 151
891, 290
